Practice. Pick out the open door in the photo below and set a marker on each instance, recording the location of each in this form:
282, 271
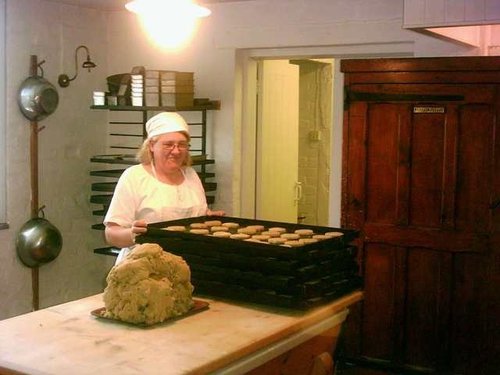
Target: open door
277, 187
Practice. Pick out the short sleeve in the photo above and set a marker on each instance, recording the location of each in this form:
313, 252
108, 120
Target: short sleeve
122, 207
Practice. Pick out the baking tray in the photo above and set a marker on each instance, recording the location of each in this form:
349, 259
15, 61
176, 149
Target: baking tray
291, 277
337, 261
279, 284
272, 298
198, 306
196, 243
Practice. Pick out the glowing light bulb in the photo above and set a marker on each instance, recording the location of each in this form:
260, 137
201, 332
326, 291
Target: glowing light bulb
169, 23
185, 7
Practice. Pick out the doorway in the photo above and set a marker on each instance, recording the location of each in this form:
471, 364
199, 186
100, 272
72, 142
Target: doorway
293, 140
245, 116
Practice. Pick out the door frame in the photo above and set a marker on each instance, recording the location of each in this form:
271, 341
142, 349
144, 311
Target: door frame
245, 118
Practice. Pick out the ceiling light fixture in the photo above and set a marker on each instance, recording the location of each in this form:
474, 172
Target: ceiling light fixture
168, 23
184, 7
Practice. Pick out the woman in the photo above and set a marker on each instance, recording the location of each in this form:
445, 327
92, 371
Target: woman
162, 187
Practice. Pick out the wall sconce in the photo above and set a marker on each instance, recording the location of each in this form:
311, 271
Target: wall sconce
64, 80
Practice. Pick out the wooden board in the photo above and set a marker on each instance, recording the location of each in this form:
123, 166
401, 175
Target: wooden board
198, 306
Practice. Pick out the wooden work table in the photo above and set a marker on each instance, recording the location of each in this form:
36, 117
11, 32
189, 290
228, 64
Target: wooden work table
227, 338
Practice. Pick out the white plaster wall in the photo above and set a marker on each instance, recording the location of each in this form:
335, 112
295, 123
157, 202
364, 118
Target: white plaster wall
70, 136
74, 133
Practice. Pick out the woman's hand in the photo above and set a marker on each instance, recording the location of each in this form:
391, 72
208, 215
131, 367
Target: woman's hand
138, 227
215, 213
119, 236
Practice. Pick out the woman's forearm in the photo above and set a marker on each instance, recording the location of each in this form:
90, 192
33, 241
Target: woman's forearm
119, 236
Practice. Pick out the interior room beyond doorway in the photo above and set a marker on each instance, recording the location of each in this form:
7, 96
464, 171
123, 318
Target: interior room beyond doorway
293, 140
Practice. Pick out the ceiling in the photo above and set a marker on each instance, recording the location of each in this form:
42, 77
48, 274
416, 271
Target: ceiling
119, 4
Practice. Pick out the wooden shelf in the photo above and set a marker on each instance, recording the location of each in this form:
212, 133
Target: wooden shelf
126, 154
113, 251
115, 173
209, 105
129, 159
103, 186
110, 186
101, 199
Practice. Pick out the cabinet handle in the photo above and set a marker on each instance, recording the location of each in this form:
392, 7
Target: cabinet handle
298, 192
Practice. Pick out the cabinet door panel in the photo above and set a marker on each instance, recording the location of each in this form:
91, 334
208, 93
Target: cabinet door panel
475, 169
422, 188
378, 329
382, 153
428, 307
382, 327
422, 170
427, 158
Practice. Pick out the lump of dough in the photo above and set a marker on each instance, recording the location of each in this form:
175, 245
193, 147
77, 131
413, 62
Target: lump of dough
148, 286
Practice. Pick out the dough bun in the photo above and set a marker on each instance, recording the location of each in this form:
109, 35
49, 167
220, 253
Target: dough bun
231, 225
304, 232
213, 223
198, 225
290, 236
334, 234
219, 228
276, 240
239, 236
176, 228
222, 234
247, 230
199, 231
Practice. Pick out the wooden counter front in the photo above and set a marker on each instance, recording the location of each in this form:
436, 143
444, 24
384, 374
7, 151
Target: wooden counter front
226, 338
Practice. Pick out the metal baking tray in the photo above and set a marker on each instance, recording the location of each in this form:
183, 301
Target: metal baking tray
336, 262
196, 243
289, 285
273, 298
291, 277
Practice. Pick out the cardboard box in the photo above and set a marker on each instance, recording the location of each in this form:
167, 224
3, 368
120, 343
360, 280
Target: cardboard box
177, 100
169, 75
181, 89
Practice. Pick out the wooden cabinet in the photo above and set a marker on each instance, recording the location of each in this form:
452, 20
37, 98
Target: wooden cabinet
126, 134
421, 180
444, 13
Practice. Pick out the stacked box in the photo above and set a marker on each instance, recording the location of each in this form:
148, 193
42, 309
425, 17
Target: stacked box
177, 88
259, 272
152, 88
137, 90
136, 87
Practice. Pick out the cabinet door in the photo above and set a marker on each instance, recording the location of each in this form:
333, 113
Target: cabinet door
420, 182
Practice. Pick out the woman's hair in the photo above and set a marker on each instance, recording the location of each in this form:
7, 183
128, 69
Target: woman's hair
145, 156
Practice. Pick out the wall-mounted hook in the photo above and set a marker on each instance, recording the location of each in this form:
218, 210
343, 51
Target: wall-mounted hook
40, 67
41, 210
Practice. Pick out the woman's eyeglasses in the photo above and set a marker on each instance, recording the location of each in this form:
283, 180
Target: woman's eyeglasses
169, 146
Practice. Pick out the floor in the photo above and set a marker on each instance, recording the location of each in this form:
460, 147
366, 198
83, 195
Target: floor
359, 369
363, 371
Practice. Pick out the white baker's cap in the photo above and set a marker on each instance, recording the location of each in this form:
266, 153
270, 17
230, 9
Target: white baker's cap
166, 122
